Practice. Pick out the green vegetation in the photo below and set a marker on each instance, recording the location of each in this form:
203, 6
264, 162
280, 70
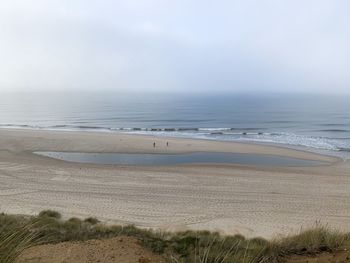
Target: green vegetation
312, 241
20, 232
15, 236
50, 213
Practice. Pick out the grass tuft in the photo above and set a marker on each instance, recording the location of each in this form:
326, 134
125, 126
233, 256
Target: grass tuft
50, 213
318, 239
14, 239
92, 220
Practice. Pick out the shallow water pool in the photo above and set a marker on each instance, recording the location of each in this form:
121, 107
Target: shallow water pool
183, 158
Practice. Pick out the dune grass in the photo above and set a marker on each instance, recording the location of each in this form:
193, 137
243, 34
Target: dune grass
20, 232
14, 239
318, 239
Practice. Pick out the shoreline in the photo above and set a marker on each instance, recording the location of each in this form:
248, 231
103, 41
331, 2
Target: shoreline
302, 149
340, 155
231, 199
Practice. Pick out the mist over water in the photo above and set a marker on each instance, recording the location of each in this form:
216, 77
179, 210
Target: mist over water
318, 122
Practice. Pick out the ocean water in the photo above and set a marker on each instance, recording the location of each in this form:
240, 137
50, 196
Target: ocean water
312, 122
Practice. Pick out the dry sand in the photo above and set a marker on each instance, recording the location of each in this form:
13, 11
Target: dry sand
253, 201
121, 249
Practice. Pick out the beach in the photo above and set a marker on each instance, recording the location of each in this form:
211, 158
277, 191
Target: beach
231, 199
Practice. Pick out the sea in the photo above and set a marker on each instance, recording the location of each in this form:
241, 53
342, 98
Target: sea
313, 122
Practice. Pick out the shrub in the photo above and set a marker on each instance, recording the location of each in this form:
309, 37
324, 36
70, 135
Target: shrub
92, 220
50, 213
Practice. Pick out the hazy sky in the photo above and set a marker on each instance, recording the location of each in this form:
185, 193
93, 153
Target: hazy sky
175, 45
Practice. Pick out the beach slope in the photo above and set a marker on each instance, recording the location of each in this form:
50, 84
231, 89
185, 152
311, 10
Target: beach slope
253, 201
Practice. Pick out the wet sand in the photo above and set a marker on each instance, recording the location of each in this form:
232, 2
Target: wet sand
253, 201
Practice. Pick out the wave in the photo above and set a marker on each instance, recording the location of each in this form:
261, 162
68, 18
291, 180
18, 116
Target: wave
280, 121
334, 130
301, 140
344, 150
17, 125
334, 124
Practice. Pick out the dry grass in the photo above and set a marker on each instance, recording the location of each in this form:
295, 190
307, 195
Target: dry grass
318, 239
15, 239
20, 232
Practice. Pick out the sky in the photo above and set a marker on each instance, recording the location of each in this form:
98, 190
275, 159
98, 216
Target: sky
175, 45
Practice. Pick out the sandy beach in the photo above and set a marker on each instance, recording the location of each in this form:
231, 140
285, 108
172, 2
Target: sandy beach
253, 201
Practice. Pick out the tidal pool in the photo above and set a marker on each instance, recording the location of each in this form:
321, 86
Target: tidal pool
154, 159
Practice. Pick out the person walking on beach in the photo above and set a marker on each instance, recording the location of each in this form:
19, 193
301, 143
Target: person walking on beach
167, 144
154, 145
